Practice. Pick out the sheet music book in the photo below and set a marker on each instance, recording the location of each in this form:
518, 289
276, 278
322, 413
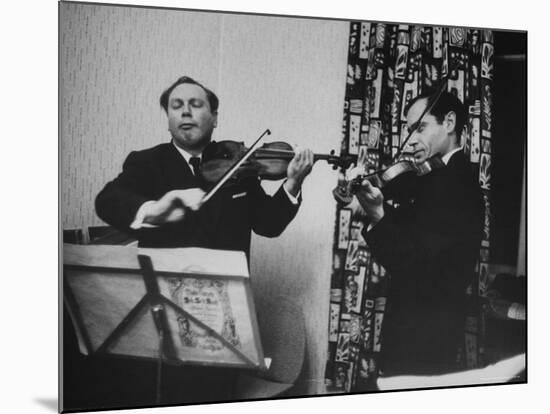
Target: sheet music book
206, 296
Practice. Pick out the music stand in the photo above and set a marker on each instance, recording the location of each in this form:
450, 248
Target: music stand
179, 306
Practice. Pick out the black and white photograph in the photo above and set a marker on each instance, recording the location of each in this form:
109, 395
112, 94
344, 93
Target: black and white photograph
274, 206
259, 206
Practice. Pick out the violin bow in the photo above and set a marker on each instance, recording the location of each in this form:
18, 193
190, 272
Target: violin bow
229, 173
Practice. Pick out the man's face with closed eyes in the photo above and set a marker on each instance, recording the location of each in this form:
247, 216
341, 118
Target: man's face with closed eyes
190, 118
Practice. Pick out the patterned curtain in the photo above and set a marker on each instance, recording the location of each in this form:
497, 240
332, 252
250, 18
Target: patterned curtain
388, 65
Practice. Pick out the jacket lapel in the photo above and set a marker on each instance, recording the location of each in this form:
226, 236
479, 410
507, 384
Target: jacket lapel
177, 173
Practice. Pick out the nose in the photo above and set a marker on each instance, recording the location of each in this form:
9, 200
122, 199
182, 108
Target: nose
413, 140
186, 109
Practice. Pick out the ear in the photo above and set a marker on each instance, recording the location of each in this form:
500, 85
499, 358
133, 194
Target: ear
450, 122
215, 121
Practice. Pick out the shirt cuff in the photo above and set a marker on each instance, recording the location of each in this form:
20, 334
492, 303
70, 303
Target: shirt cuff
140, 216
294, 200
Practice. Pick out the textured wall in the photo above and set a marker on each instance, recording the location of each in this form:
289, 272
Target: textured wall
115, 63
284, 74
293, 72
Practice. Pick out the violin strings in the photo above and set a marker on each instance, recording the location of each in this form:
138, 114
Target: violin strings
274, 153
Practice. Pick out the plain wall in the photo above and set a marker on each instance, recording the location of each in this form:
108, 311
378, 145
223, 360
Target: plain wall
284, 74
293, 74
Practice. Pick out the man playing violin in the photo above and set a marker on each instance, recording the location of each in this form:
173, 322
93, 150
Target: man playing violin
157, 197
429, 243
158, 193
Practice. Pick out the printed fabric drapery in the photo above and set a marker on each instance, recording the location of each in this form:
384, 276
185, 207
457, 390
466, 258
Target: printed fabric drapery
388, 65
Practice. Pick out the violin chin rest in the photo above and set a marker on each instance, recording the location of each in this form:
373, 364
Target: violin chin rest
342, 196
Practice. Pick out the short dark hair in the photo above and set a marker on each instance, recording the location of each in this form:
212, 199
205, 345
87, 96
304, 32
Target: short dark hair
447, 102
211, 96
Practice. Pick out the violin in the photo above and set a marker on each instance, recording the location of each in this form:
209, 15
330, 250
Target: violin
268, 162
345, 190
229, 161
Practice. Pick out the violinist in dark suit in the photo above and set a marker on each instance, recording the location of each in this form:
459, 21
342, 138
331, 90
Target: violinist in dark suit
157, 197
157, 194
429, 243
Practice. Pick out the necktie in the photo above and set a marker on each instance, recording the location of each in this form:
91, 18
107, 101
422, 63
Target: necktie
195, 163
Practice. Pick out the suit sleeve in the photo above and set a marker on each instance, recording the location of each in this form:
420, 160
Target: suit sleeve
401, 244
119, 201
270, 215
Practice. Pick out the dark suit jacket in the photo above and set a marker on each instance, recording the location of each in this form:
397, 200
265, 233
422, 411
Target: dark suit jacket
224, 222
429, 244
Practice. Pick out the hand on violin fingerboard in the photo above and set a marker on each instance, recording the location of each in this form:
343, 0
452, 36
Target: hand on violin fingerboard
372, 201
298, 169
172, 206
